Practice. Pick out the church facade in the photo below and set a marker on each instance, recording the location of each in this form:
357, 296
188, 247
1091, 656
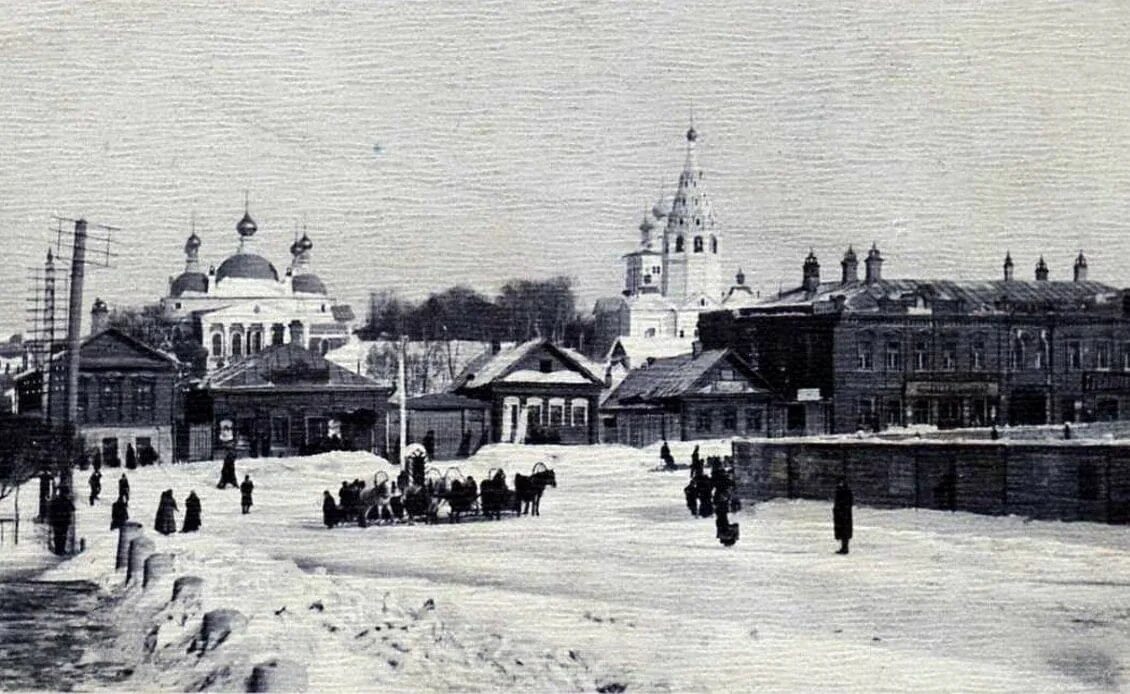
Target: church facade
675, 272
245, 305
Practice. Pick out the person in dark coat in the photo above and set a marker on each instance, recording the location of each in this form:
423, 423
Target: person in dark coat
227, 472
62, 513
994, 433
665, 455
1067, 431
95, 486
191, 513
705, 487
131, 457
245, 490
841, 515
472, 492
123, 487
119, 513
723, 530
696, 463
166, 521
329, 509
430, 444
97, 458
691, 494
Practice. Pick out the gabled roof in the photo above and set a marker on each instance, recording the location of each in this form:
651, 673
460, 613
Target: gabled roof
288, 367
609, 304
977, 297
114, 349
637, 350
489, 368
676, 377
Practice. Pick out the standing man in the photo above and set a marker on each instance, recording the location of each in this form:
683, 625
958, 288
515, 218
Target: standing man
227, 472
62, 513
430, 444
841, 515
123, 487
245, 490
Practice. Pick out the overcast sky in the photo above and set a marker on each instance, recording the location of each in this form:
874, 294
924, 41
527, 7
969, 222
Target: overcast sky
425, 144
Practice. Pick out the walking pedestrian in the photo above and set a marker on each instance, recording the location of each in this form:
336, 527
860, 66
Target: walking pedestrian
95, 486
245, 490
191, 513
696, 463
166, 520
841, 515
131, 457
62, 513
123, 487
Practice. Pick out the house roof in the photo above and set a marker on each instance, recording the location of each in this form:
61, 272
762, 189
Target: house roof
609, 304
675, 377
138, 356
639, 349
288, 367
488, 368
979, 297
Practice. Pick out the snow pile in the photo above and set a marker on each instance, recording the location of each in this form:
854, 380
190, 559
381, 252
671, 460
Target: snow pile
339, 632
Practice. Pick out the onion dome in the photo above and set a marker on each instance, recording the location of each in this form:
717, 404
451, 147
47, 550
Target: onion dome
874, 252
646, 224
246, 226
659, 209
189, 282
308, 284
1080, 261
740, 277
247, 266
192, 244
692, 134
850, 254
305, 243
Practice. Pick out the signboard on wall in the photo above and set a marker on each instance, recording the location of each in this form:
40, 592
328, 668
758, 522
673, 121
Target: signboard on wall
808, 395
970, 388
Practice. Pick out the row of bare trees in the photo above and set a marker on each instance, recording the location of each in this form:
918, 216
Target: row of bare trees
522, 310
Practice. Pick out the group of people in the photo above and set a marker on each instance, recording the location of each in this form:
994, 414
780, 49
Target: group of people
141, 456
713, 494
228, 477
386, 497
166, 522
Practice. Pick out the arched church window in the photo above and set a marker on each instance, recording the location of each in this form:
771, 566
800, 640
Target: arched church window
698, 244
256, 342
713, 244
237, 345
217, 345
678, 244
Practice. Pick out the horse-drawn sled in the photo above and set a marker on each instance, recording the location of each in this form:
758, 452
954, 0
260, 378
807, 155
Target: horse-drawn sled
426, 497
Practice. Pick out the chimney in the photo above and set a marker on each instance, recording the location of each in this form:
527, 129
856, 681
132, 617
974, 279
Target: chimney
811, 276
297, 335
1007, 266
696, 349
874, 263
1041, 270
850, 266
1080, 268
99, 317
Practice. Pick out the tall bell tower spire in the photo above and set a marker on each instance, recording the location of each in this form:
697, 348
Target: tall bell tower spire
691, 240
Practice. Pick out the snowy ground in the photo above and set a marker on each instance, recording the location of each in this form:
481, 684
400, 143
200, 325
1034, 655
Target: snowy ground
616, 585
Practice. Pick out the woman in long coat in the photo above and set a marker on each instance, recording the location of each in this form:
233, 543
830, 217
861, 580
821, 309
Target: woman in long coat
166, 522
191, 513
329, 509
119, 512
841, 515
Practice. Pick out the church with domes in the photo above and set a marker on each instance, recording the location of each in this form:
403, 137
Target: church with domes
675, 273
244, 304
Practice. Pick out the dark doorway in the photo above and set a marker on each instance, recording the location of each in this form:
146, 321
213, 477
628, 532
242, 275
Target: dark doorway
1028, 408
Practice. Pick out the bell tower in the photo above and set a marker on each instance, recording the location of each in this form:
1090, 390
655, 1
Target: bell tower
691, 240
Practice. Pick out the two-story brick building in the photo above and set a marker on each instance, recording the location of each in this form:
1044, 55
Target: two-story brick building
878, 353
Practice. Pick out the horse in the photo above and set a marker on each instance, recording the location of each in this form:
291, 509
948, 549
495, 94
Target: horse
528, 490
376, 502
